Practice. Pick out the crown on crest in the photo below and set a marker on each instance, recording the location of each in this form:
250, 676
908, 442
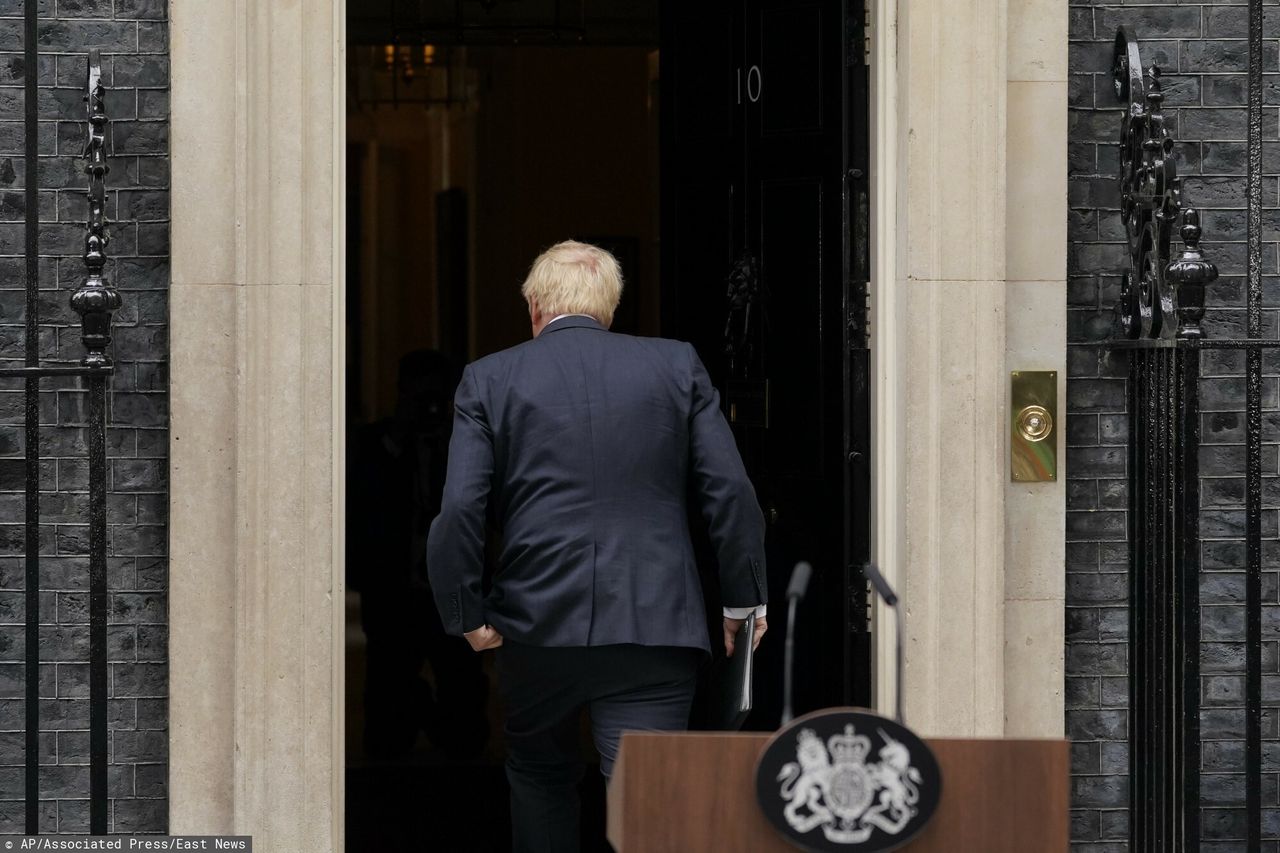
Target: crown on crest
849, 748
808, 738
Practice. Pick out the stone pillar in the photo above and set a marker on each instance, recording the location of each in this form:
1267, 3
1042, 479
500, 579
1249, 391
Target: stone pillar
1036, 339
969, 159
256, 604
952, 324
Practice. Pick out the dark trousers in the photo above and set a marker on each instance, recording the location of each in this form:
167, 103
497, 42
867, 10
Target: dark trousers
624, 687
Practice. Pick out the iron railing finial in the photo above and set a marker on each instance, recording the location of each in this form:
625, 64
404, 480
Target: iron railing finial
95, 300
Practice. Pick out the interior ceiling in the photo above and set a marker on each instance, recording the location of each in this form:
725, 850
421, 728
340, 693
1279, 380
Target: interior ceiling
631, 22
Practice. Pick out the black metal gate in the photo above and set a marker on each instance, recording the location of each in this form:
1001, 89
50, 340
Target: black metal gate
95, 301
1171, 364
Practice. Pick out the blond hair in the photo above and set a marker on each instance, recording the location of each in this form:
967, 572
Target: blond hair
575, 278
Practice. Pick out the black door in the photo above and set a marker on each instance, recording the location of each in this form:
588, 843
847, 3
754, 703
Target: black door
763, 217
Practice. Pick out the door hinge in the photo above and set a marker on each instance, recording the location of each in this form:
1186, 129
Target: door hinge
860, 610
866, 37
858, 316
866, 316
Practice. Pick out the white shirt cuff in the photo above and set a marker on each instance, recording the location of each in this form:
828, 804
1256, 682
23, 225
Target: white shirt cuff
744, 612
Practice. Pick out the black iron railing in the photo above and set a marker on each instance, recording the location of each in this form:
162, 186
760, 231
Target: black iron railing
1159, 317
95, 301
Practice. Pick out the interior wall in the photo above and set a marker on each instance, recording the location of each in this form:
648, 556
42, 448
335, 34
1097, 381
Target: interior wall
405, 156
552, 165
534, 172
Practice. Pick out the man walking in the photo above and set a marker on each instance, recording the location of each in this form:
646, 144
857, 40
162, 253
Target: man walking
583, 447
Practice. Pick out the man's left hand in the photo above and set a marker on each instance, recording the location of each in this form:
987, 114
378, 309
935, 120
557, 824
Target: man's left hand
484, 637
731, 628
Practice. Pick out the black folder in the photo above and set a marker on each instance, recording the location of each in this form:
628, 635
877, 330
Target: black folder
731, 682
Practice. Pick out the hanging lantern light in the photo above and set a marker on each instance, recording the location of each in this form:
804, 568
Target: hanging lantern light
406, 65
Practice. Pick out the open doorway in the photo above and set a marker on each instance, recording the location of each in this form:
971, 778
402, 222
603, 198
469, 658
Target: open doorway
479, 134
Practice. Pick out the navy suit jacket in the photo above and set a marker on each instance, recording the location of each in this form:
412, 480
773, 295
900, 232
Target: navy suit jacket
584, 447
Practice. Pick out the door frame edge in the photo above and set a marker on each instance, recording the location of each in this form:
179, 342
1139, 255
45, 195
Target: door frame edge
886, 538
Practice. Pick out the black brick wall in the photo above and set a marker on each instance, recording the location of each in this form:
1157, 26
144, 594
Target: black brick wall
133, 36
1203, 52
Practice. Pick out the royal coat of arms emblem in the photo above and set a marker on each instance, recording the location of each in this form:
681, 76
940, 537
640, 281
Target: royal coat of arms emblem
853, 780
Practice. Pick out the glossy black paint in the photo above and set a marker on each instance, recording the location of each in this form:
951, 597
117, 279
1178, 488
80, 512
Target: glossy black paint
1164, 565
764, 268
1158, 319
1164, 468
95, 301
1253, 445
31, 410
1160, 299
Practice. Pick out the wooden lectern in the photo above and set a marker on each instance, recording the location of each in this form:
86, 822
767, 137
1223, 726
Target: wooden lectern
682, 792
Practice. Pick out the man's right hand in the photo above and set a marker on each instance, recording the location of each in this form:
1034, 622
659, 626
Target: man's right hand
484, 637
731, 628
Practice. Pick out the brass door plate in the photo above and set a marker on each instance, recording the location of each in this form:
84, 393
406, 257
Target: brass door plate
1033, 423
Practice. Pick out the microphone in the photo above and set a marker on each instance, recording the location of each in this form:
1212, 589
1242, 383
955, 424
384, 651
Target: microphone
881, 585
799, 580
795, 592
886, 592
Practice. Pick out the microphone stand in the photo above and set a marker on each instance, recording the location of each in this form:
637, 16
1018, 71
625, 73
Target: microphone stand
795, 591
886, 592
787, 660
